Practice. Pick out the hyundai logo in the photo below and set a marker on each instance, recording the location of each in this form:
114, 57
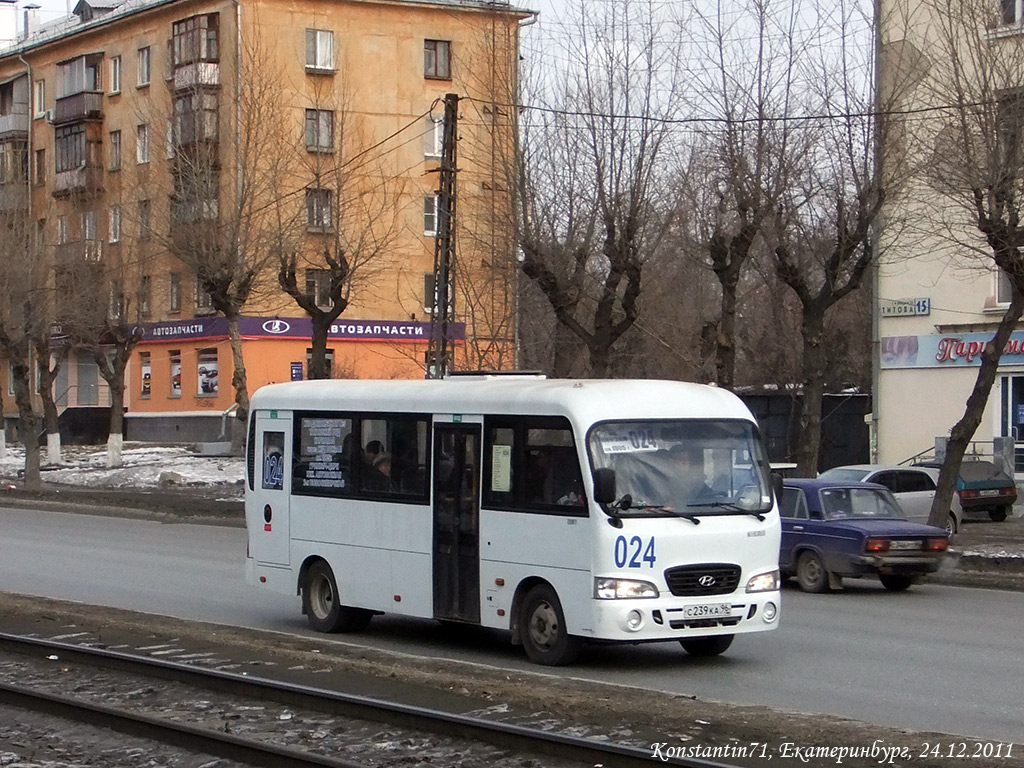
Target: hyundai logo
276, 326
707, 581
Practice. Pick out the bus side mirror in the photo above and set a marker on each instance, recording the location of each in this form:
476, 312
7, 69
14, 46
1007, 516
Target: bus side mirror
604, 486
777, 486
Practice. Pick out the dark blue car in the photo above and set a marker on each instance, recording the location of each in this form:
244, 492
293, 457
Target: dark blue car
832, 530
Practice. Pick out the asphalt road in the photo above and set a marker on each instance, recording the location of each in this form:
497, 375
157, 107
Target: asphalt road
934, 658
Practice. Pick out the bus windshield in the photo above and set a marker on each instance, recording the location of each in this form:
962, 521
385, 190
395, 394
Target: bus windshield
684, 468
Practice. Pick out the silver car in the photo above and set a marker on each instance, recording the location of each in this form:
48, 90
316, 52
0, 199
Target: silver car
913, 487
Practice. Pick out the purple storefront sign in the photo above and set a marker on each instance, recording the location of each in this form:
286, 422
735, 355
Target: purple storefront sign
295, 328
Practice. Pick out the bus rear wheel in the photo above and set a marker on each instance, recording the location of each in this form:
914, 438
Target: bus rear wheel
707, 646
542, 629
321, 606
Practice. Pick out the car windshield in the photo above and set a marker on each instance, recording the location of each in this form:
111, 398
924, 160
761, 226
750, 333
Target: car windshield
857, 503
844, 475
691, 467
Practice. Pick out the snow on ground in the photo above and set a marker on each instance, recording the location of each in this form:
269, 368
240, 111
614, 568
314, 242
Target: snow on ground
143, 464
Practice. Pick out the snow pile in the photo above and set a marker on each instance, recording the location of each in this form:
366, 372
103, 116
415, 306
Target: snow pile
143, 465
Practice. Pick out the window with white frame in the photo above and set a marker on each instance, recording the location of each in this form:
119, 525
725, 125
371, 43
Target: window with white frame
145, 210
115, 74
320, 50
430, 212
145, 295
115, 150
62, 229
204, 301
89, 225
433, 137
116, 301
174, 292
319, 130
144, 66
40, 98
1004, 288
115, 223
319, 208
437, 59
318, 285
142, 144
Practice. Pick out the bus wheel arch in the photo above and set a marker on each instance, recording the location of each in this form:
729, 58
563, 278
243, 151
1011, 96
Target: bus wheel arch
539, 625
321, 600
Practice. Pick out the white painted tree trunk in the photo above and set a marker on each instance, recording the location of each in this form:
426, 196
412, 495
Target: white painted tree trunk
53, 448
3, 443
114, 446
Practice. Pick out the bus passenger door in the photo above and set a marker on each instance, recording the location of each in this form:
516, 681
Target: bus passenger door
267, 516
456, 548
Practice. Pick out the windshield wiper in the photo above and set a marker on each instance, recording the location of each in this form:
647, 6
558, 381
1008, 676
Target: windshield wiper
730, 507
626, 503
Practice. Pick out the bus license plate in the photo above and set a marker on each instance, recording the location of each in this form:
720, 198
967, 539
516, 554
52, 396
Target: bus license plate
705, 611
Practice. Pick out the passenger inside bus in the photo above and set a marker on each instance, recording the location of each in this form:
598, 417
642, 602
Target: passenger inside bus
379, 476
691, 482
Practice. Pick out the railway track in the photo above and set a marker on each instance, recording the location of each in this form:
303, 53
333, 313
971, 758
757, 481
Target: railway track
556, 749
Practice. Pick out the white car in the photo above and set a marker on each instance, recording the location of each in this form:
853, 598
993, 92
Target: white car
913, 487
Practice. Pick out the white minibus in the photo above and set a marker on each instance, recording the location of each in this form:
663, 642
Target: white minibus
564, 511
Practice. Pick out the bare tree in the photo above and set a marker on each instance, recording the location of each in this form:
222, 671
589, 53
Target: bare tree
588, 181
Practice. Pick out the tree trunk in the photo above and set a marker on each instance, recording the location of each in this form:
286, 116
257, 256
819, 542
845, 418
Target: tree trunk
318, 365
725, 339
238, 375
962, 432
51, 416
115, 440
566, 350
814, 366
28, 425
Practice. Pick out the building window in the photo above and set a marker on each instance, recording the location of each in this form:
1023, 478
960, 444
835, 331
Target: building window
319, 130
144, 69
437, 59
203, 299
174, 358
116, 301
433, 138
89, 225
40, 98
145, 291
13, 162
115, 150
115, 223
320, 50
430, 222
62, 230
195, 39
318, 285
115, 74
69, 145
146, 369
1004, 288
142, 144
319, 213
206, 370
39, 172
174, 293
145, 222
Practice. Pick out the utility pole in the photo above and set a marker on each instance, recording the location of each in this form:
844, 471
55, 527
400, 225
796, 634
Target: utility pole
441, 348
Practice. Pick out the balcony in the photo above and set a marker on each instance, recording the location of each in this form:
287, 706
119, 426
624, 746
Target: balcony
86, 179
87, 105
197, 74
13, 197
15, 122
78, 252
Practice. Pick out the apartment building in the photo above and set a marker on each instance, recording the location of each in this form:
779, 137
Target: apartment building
147, 144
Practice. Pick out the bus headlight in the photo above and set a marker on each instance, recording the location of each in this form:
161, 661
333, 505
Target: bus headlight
622, 589
764, 582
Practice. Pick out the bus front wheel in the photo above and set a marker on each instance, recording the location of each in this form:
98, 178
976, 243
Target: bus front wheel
713, 645
543, 631
321, 606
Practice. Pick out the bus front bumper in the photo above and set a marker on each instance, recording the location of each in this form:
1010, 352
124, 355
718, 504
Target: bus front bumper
641, 620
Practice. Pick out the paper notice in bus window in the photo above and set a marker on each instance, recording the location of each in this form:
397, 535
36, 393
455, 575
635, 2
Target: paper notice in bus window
501, 468
633, 441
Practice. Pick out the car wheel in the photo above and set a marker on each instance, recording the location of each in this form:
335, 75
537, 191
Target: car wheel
320, 603
897, 583
542, 629
811, 573
707, 646
998, 514
951, 526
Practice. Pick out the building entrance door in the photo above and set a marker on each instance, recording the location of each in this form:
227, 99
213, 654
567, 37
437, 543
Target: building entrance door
1012, 421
